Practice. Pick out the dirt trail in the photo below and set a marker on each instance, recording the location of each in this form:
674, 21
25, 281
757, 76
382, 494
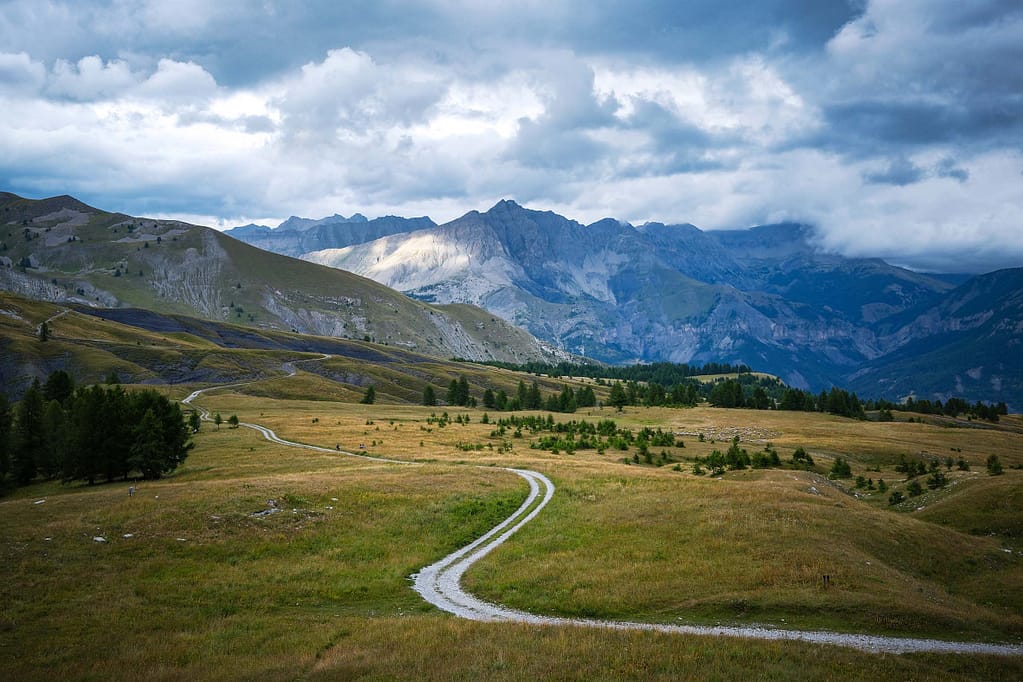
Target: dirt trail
440, 582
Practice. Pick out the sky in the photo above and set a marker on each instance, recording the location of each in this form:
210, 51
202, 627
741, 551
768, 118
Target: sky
894, 127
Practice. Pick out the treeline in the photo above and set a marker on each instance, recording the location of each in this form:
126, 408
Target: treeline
525, 397
953, 407
90, 433
764, 393
745, 390
663, 373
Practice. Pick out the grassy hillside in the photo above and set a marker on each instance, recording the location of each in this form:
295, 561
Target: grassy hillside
145, 347
61, 250
191, 583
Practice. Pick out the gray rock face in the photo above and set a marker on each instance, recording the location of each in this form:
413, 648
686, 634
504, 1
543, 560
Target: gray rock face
296, 236
766, 296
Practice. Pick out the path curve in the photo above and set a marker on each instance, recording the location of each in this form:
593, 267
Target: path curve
440, 582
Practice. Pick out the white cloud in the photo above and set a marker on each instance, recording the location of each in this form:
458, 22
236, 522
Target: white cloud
19, 73
90, 78
177, 82
892, 136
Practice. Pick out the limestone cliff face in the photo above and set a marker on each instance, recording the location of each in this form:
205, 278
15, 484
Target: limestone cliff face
766, 296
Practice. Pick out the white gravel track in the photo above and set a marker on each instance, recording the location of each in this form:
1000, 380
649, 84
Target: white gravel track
440, 582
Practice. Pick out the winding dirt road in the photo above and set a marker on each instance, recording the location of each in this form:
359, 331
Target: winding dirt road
440, 583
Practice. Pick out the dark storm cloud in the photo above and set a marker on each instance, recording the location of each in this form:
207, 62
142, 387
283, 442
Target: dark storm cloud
895, 126
899, 172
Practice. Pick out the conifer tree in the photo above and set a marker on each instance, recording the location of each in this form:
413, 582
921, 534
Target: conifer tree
5, 436
533, 398
146, 451
59, 386
617, 397
54, 452
29, 441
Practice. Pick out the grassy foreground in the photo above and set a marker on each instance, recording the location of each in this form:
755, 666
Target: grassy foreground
189, 583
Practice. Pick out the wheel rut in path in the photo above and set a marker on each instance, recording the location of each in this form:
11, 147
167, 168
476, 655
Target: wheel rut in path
440, 582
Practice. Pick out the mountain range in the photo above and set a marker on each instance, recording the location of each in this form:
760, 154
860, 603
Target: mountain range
518, 285
62, 250
767, 296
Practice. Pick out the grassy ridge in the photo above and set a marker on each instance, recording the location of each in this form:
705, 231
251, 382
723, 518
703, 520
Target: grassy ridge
63, 250
320, 589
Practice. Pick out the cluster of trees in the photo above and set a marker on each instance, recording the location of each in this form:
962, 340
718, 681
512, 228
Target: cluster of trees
525, 398
654, 394
671, 385
664, 373
90, 433
953, 407
738, 458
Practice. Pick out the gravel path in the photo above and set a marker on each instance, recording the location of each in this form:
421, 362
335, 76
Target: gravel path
440, 583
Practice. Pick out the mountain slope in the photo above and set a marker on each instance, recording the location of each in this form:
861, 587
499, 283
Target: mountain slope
60, 249
142, 346
968, 344
765, 296
296, 236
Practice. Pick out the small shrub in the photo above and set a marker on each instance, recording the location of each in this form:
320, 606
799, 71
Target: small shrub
994, 465
936, 480
840, 469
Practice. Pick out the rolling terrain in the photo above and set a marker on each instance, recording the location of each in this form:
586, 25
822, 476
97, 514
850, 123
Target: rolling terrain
145, 347
322, 589
62, 250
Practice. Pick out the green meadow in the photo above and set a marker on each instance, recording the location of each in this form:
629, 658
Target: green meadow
200, 575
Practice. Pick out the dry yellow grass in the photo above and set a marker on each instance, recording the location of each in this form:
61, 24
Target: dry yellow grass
322, 592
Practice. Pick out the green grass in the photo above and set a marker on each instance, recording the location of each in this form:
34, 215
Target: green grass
205, 589
323, 591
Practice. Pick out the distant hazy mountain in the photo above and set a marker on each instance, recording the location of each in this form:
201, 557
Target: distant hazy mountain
970, 342
296, 236
766, 296
62, 250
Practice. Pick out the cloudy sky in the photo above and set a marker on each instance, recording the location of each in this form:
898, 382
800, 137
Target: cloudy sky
893, 126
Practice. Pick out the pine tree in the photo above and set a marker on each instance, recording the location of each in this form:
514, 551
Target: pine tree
146, 451
85, 434
171, 431
566, 401
522, 393
120, 413
463, 391
55, 433
59, 386
533, 398
29, 439
5, 436
488, 398
617, 397
370, 397
429, 396
453, 392
44, 332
